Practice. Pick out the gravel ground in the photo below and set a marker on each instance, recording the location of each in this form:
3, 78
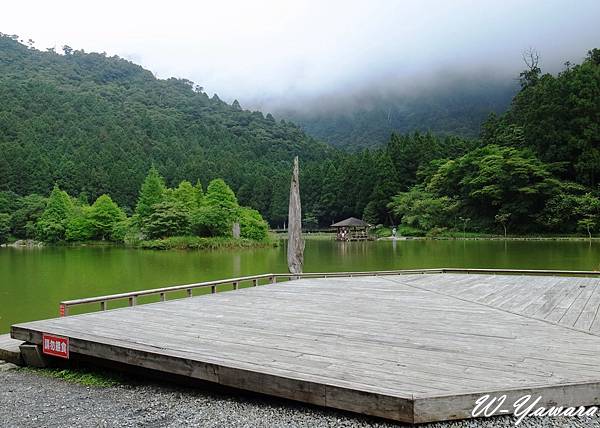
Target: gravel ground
28, 399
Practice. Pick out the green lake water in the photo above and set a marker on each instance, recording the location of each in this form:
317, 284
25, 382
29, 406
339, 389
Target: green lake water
34, 281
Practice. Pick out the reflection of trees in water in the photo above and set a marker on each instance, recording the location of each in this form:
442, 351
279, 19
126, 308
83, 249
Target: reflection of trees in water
236, 265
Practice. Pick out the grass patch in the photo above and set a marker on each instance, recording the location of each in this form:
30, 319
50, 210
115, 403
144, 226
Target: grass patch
83, 377
382, 232
199, 243
404, 230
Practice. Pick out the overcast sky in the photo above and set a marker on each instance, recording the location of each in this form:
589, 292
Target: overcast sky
269, 50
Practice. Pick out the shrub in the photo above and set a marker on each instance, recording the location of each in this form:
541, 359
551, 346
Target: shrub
252, 225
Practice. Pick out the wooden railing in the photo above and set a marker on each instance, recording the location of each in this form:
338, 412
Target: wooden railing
133, 296
271, 278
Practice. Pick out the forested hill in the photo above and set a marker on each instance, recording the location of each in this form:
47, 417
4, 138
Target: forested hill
95, 124
457, 107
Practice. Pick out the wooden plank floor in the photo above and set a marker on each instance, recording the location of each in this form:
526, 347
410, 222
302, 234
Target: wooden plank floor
570, 302
413, 348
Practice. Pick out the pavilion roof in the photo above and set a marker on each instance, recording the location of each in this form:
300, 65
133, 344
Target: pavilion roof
351, 222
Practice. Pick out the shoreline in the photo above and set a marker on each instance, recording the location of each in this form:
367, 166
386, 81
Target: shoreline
172, 243
209, 244
326, 235
489, 238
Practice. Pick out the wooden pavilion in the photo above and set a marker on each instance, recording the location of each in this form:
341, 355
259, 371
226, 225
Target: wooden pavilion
351, 229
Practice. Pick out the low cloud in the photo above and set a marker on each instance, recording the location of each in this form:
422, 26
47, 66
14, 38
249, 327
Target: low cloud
273, 54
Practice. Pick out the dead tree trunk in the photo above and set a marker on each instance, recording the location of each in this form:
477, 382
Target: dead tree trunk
295, 250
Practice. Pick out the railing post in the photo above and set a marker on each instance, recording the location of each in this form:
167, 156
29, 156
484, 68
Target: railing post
213, 289
162, 297
189, 292
273, 279
254, 282
235, 285
132, 300
103, 305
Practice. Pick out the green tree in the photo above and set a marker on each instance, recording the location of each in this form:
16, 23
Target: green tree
589, 210
496, 179
222, 208
8, 202
152, 193
104, 216
27, 212
310, 220
79, 226
588, 224
199, 193
503, 218
564, 208
423, 210
52, 224
4, 227
187, 195
385, 185
205, 221
168, 218
121, 229
331, 192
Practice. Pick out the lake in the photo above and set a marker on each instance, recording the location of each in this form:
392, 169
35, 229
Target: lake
34, 281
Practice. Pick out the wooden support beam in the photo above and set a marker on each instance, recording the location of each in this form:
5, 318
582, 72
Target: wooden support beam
32, 355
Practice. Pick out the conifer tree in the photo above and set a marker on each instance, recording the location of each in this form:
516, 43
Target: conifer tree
152, 193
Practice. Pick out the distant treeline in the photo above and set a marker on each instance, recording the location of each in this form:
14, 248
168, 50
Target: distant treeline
160, 212
94, 125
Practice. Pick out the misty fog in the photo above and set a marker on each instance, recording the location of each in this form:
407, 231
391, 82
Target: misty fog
306, 55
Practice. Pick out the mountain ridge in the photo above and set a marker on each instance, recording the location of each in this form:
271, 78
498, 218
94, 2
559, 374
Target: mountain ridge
95, 124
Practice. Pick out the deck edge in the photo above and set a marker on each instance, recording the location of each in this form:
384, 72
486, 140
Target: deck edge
369, 403
452, 407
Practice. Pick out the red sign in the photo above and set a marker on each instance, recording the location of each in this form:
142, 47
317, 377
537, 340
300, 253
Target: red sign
55, 345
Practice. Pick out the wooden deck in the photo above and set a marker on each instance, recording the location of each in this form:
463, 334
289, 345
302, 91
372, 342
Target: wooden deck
413, 348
